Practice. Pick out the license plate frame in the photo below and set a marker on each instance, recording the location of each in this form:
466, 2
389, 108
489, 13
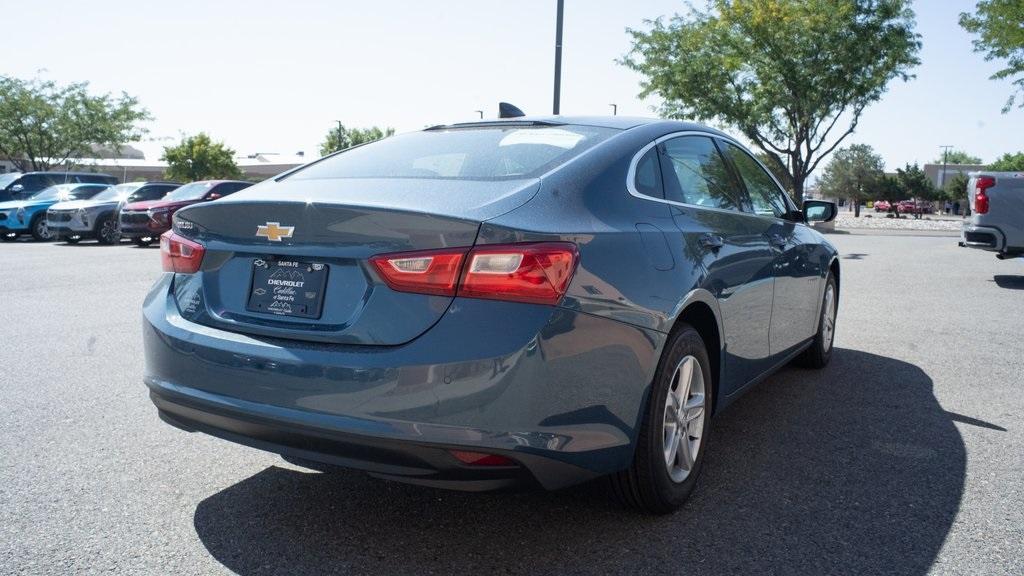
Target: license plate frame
287, 287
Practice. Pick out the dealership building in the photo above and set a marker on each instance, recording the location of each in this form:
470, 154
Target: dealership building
131, 165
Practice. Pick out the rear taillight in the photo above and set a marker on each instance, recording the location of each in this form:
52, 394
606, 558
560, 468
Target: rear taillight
535, 273
427, 272
179, 254
982, 184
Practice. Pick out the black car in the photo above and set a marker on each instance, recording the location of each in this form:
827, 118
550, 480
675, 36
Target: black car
18, 186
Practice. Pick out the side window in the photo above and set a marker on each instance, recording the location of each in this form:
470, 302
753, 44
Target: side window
765, 196
229, 188
647, 180
695, 173
36, 182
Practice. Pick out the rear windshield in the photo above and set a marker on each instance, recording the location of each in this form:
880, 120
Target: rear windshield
477, 153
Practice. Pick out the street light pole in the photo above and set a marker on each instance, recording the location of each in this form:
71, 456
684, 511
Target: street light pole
340, 129
480, 112
558, 58
615, 109
945, 154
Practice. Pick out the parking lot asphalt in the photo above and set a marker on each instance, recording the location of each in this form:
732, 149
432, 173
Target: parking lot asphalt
904, 456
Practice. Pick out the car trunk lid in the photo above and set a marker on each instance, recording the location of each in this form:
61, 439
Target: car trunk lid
306, 245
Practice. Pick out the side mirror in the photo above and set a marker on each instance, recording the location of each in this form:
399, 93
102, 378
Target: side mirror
16, 188
819, 211
213, 196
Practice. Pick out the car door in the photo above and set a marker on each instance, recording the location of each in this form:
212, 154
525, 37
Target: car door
798, 268
731, 246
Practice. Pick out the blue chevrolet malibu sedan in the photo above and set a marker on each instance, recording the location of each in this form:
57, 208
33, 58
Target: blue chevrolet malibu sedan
535, 301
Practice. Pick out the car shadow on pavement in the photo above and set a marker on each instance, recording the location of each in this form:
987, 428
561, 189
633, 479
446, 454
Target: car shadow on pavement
854, 469
1009, 282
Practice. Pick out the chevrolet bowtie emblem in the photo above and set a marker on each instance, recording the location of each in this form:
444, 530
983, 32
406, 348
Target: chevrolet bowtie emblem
273, 231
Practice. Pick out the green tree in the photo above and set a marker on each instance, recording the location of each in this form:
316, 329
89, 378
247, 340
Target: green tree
999, 25
957, 157
955, 188
199, 158
793, 76
341, 137
1008, 163
888, 188
915, 184
852, 173
44, 124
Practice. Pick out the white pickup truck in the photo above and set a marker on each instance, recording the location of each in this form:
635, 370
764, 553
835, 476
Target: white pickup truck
997, 218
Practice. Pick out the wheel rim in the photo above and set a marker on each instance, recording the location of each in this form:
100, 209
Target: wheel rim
828, 321
683, 419
42, 229
109, 232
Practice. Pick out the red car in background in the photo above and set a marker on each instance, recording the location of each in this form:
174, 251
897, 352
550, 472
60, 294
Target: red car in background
915, 207
144, 222
882, 206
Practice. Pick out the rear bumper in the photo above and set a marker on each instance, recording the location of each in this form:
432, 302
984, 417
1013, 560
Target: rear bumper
557, 391
982, 237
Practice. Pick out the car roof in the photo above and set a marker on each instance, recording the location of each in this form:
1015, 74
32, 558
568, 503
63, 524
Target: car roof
68, 173
616, 122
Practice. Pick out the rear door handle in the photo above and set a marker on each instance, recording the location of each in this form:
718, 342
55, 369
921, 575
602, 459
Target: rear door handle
712, 241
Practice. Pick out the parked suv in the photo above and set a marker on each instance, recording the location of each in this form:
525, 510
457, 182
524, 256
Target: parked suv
145, 221
997, 223
17, 186
29, 216
97, 217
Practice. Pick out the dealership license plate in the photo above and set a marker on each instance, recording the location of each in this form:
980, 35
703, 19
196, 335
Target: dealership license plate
287, 287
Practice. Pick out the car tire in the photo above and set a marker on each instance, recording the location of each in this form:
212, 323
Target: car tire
107, 231
658, 482
143, 242
819, 353
40, 231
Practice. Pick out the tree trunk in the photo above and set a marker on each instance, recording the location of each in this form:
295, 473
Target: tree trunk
798, 192
856, 208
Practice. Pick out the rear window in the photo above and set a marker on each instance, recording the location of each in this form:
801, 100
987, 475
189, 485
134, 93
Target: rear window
476, 153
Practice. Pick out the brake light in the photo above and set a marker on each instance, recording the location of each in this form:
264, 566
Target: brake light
179, 254
982, 184
535, 273
426, 272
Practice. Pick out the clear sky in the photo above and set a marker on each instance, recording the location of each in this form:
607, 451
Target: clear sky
275, 76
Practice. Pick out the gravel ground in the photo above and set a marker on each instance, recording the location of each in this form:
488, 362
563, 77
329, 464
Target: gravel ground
904, 456
875, 221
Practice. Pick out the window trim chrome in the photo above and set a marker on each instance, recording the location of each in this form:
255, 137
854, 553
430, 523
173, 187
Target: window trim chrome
631, 173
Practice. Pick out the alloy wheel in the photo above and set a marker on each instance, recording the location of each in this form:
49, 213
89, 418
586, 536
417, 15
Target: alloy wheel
42, 230
684, 415
828, 320
109, 232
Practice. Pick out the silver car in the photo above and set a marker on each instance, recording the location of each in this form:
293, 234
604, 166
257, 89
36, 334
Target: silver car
997, 220
96, 217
